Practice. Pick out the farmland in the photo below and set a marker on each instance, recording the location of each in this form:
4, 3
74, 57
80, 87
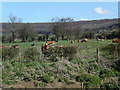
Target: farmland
29, 67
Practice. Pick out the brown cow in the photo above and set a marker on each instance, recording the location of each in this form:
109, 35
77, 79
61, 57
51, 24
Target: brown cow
46, 46
116, 40
50, 42
4, 46
78, 41
84, 40
15, 46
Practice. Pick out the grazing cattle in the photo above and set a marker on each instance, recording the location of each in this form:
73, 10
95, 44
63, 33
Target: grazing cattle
116, 40
60, 46
50, 42
98, 39
84, 40
46, 46
15, 46
78, 41
43, 47
72, 41
4, 47
68, 40
33, 44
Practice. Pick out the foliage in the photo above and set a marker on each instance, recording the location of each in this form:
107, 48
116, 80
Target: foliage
110, 86
9, 53
105, 73
116, 65
32, 54
87, 78
62, 70
69, 51
27, 32
111, 51
38, 84
46, 78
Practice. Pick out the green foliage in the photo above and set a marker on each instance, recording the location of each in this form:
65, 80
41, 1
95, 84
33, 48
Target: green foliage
32, 54
46, 78
69, 51
62, 79
38, 84
116, 65
110, 86
110, 51
19, 68
9, 82
87, 78
95, 67
105, 73
9, 53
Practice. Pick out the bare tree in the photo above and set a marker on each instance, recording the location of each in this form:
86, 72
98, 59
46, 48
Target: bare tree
61, 27
27, 32
13, 20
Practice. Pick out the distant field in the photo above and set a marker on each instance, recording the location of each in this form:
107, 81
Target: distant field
91, 43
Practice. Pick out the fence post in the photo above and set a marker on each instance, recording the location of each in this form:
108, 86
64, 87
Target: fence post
97, 51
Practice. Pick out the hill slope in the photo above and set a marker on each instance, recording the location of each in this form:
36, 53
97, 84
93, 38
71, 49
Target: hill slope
85, 25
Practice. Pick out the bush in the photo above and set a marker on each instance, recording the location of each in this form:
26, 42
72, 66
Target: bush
46, 78
87, 78
38, 84
105, 73
111, 51
62, 51
110, 86
32, 54
62, 79
9, 53
116, 65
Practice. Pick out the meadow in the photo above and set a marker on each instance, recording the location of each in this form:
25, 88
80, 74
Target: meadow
91, 43
29, 67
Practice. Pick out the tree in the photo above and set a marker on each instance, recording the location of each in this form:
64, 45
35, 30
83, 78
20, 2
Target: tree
27, 32
61, 27
13, 20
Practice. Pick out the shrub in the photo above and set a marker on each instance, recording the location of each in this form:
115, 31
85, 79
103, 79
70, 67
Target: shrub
111, 50
95, 67
38, 84
105, 73
69, 51
110, 86
116, 65
87, 78
9, 53
62, 79
46, 78
32, 54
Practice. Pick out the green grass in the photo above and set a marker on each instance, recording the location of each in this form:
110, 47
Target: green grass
42, 70
90, 44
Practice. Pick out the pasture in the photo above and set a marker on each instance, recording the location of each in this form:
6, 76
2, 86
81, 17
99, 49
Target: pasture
91, 43
39, 70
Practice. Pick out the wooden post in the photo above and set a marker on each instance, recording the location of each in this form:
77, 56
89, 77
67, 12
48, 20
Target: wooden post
97, 51
114, 52
82, 85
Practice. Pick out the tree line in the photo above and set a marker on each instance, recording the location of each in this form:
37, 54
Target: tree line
61, 29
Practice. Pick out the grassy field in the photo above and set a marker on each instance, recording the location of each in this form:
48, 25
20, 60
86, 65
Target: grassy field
91, 43
38, 70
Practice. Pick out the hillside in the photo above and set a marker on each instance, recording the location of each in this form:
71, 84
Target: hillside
85, 25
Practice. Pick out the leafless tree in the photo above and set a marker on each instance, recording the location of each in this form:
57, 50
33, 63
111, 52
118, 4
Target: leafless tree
27, 32
61, 27
13, 25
